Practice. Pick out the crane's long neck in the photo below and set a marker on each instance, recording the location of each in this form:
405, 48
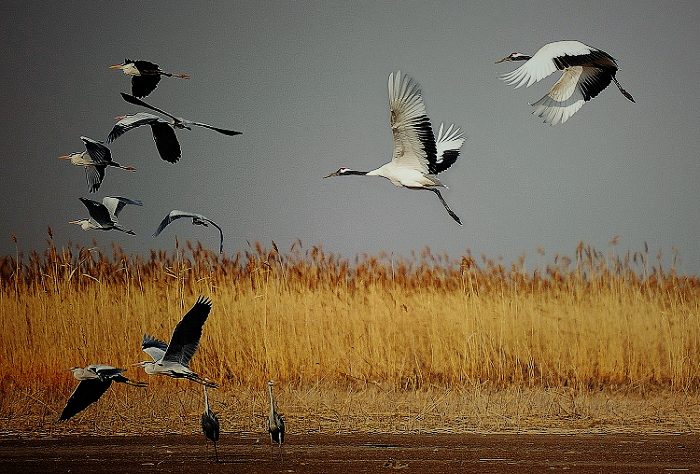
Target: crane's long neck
272, 401
206, 399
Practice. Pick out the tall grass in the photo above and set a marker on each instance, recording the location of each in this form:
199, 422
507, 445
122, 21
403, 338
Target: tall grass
307, 318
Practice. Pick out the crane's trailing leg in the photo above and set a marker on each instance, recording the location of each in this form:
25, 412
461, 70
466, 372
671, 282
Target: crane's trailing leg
447, 208
624, 92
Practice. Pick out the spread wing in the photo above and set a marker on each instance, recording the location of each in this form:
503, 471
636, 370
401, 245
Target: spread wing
543, 63
166, 141
176, 214
414, 143
576, 86
153, 347
133, 100
99, 153
217, 129
185, 338
86, 393
141, 86
131, 121
97, 211
115, 204
94, 175
448, 144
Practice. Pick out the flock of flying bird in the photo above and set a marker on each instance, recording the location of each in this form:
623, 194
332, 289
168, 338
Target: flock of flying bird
418, 157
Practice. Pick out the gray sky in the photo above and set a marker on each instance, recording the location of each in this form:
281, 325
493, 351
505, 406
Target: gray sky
306, 83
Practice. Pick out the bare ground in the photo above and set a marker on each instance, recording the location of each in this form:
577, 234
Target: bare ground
355, 453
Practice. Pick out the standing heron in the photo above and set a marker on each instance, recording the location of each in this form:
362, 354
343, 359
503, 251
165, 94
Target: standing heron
103, 216
94, 379
417, 156
163, 131
586, 72
197, 219
275, 421
145, 75
210, 424
173, 359
95, 159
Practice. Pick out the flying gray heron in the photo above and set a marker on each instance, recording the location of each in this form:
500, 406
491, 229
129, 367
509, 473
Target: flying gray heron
94, 380
197, 219
173, 359
103, 216
145, 75
275, 421
586, 72
210, 423
95, 159
417, 156
163, 131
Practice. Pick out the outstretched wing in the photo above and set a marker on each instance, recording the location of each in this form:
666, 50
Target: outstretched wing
97, 211
216, 129
153, 347
172, 215
185, 338
544, 62
414, 143
141, 86
115, 204
99, 153
94, 175
130, 121
86, 393
133, 100
166, 141
448, 144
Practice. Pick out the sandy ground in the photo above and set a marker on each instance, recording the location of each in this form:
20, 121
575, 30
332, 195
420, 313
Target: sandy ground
526, 453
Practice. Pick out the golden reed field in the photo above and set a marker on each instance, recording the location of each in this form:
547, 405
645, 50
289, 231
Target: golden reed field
593, 341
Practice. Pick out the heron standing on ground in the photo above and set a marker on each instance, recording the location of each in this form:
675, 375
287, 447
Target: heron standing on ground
210, 424
103, 216
145, 75
95, 159
417, 156
94, 379
163, 131
586, 72
197, 219
275, 421
173, 359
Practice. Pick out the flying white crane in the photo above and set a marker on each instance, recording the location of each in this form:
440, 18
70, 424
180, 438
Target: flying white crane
210, 424
163, 131
275, 421
173, 359
94, 379
587, 71
103, 216
95, 159
197, 219
145, 75
417, 156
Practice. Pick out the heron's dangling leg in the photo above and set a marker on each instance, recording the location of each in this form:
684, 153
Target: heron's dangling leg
447, 208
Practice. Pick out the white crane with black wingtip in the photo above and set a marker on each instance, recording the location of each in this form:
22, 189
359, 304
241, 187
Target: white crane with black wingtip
145, 75
103, 216
173, 359
163, 131
586, 72
417, 157
197, 219
95, 380
95, 159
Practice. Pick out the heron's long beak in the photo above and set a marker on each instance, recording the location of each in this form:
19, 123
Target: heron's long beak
501, 60
64, 157
116, 66
74, 222
332, 174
